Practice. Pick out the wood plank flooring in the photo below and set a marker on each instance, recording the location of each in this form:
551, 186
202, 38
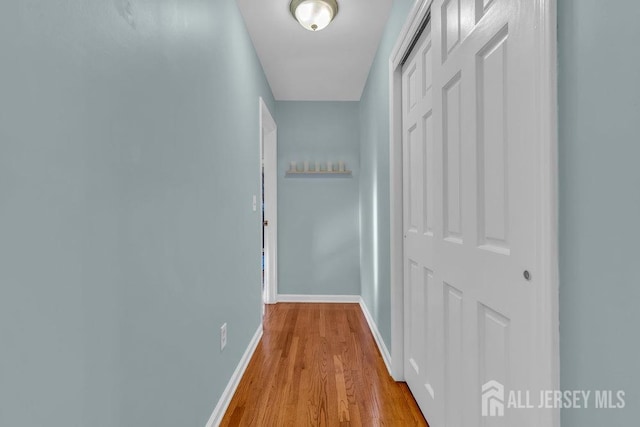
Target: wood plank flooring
318, 365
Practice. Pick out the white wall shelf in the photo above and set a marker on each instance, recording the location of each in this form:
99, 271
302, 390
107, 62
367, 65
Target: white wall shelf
335, 174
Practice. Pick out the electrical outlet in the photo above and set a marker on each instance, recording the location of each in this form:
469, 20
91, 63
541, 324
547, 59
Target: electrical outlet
223, 336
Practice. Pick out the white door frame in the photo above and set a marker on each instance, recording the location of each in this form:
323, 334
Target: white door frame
268, 155
547, 333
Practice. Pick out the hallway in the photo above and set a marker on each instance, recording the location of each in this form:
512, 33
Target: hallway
317, 364
131, 218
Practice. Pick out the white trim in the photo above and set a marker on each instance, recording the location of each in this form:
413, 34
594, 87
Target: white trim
268, 127
353, 299
386, 356
409, 29
266, 118
232, 385
414, 19
547, 335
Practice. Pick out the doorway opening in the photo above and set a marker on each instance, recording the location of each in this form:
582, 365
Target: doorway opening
268, 204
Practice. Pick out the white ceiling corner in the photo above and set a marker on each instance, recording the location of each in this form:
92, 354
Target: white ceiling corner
328, 65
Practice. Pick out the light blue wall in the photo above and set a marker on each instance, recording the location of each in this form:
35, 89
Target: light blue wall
318, 224
599, 148
374, 180
128, 160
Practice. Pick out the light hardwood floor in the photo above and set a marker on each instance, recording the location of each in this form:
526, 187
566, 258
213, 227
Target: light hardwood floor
318, 365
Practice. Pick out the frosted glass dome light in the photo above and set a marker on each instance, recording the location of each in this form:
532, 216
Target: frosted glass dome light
314, 15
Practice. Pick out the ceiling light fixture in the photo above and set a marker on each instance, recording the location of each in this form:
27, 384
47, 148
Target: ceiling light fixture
314, 15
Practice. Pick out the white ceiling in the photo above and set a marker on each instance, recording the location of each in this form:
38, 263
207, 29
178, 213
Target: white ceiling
328, 65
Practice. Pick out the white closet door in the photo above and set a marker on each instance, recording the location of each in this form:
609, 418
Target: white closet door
419, 183
469, 218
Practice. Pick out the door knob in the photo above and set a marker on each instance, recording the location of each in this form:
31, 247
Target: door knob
266, 223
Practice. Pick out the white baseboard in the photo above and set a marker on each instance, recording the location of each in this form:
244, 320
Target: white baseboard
229, 391
319, 298
386, 356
